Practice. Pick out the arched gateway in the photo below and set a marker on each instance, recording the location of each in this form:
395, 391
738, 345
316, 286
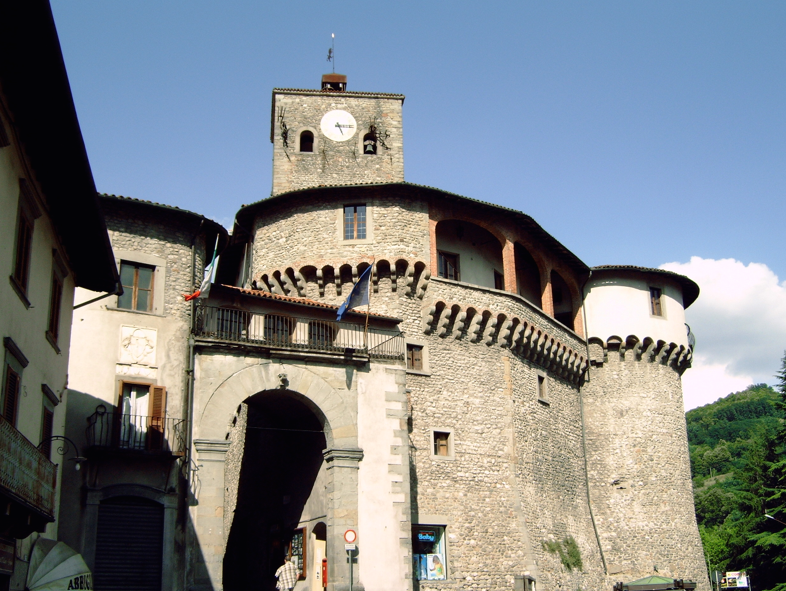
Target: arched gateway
276, 446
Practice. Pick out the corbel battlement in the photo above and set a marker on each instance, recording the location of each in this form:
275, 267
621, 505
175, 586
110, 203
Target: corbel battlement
409, 277
489, 328
634, 349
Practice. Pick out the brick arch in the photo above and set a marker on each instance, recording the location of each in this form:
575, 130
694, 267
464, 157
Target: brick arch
326, 402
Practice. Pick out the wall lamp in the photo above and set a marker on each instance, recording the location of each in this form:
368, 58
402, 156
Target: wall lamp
64, 447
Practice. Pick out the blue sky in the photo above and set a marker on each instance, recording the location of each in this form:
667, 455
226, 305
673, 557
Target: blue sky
639, 133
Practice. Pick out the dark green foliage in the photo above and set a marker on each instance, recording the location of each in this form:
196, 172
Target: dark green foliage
743, 436
569, 553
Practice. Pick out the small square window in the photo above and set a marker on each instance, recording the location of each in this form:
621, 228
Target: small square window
428, 552
137, 283
354, 222
415, 357
656, 301
442, 444
449, 266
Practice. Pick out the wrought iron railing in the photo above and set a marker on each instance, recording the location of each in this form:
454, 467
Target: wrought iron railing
25, 472
140, 433
288, 332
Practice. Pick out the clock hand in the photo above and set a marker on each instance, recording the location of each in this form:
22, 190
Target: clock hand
339, 127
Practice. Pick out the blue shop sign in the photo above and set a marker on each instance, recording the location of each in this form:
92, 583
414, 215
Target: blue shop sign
427, 536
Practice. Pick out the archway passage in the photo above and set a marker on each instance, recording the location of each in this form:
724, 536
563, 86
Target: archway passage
281, 485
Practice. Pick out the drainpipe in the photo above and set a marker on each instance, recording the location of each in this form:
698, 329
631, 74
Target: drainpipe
583, 425
190, 396
191, 361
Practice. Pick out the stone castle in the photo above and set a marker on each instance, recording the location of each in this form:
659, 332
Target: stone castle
501, 415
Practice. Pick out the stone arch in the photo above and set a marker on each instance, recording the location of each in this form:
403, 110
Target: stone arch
326, 402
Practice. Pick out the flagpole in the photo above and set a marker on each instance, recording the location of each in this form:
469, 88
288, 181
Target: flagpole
368, 308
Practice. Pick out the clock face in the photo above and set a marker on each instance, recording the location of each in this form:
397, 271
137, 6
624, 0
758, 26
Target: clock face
338, 125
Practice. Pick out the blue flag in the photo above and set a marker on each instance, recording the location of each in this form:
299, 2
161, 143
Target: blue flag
359, 294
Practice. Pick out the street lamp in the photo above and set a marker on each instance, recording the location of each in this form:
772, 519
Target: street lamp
64, 448
768, 516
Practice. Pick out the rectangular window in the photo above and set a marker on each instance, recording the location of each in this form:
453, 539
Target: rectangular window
47, 423
11, 387
442, 444
59, 274
25, 223
543, 393
428, 551
656, 303
499, 280
354, 222
415, 357
137, 283
449, 266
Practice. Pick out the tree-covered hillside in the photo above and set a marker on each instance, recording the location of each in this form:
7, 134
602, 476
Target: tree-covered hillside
738, 461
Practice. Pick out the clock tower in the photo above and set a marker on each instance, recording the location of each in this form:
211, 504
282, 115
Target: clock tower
332, 136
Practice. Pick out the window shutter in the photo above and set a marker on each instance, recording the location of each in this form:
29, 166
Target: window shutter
155, 436
12, 383
417, 358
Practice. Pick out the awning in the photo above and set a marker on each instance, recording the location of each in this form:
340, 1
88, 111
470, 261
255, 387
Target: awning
55, 566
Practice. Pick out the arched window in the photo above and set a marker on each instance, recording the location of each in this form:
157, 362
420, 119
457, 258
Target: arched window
370, 143
306, 141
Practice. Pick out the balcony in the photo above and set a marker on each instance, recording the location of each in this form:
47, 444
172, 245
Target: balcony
27, 478
298, 334
135, 434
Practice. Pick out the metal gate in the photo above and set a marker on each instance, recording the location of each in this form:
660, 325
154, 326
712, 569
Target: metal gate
129, 545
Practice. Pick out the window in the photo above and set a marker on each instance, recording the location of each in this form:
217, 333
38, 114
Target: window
499, 280
370, 143
415, 357
59, 274
47, 421
656, 301
306, 141
449, 266
137, 283
25, 223
142, 416
296, 552
13, 382
15, 362
442, 444
543, 392
428, 552
354, 222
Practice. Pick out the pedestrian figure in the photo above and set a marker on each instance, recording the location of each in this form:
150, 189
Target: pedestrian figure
287, 575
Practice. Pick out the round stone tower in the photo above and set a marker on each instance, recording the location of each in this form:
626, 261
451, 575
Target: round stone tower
637, 449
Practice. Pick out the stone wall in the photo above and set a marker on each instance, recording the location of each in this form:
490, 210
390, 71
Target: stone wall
335, 163
639, 467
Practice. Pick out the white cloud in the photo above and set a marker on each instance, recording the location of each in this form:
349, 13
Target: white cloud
740, 325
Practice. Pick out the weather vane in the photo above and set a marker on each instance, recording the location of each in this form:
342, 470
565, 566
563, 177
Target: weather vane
332, 52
